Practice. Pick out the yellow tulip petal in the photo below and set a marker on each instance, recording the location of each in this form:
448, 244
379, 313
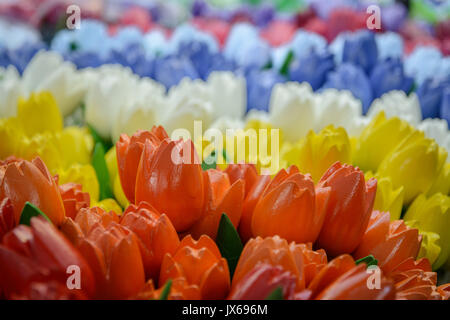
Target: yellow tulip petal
118, 193
109, 205
84, 175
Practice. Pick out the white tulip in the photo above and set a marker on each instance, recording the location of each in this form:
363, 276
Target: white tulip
144, 110
226, 123
228, 94
436, 129
47, 71
339, 108
292, 109
396, 103
10, 91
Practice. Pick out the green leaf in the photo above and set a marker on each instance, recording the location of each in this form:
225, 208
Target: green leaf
369, 260
287, 62
29, 211
276, 294
166, 290
101, 170
229, 243
210, 162
107, 144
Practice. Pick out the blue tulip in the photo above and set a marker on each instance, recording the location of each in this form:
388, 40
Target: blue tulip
312, 68
352, 78
19, 57
445, 105
430, 94
388, 75
171, 70
259, 87
360, 49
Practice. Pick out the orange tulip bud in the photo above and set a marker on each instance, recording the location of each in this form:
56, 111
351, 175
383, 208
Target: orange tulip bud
201, 264
244, 171
390, 243
156, 235
40, 253
129, 151
114, 256
74, 199
444, 291
276, 252
348, 209
291, 207
31, 181
170, 178
220, 197
252, 198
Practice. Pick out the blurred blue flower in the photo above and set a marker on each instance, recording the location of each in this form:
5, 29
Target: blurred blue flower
350, 77
393, 16
171, 69
85, 59
21, 56
155, 44
426, 62
91, 37
186, 34
312, 67
302, 44
125, 37
199, 55
134, 57
389, 44
360, 49
445, 105
430, 94
259, 87
388, 75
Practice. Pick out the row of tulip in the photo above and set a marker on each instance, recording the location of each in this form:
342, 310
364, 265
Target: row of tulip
412, 170
125, 102
177, 238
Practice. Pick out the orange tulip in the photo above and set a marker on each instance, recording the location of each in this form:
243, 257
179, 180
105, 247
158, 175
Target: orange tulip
252, 198
276, 252
352, 285
259, 282
31, 181
86, 219
348, 209
220, 197
244, 171
180, 290
414, 280
444, 291
39, 253
390, 243
201, 264
74, 199
170, 178
129, 151
49, 290
291, 207
313, 261
7, 219
156, 235
114, 255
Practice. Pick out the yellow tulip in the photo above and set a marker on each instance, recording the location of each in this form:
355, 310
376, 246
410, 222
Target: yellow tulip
11, 135
109, 205
432, 215
315, 153
429, 247
111, 164
76, 145
442, 182
413, 164
378, 139
388, 198
119, 194
84, 175
39, 114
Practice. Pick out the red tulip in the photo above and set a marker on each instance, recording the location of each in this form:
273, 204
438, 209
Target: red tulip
7, 218
348, 209
259, 282
39, 253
